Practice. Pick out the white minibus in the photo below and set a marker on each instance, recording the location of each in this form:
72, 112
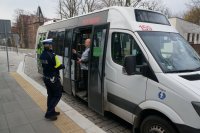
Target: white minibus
140, 68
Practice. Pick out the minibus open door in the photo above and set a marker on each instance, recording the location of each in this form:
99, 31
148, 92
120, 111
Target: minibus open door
97, 68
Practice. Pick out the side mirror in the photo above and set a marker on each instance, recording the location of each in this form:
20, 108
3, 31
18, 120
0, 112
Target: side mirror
129, 65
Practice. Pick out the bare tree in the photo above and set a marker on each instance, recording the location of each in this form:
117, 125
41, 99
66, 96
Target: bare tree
108, 3
90, 6
60, 9
193, 14
69, 8
194, 4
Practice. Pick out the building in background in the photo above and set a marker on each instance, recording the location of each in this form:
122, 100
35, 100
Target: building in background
26, 27
190, 31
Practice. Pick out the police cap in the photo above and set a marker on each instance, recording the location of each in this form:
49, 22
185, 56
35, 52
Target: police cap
47, 41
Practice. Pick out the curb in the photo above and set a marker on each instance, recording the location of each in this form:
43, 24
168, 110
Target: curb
79, 119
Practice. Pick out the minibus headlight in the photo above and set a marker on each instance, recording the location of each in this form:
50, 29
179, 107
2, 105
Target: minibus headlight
196, 106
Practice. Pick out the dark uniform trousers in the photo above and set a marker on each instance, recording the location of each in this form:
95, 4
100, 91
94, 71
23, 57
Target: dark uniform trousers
54, 91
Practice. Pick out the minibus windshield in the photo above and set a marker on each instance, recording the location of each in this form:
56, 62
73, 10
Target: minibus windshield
171, 51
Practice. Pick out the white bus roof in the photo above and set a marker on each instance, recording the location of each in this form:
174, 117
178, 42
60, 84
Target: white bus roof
119, 18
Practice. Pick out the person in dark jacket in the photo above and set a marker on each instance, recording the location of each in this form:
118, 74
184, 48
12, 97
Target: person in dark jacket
51, 66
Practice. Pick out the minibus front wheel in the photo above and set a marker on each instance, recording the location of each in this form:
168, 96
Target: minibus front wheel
156, 124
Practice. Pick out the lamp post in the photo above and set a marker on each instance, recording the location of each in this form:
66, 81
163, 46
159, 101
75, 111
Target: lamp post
60, 6
5, 40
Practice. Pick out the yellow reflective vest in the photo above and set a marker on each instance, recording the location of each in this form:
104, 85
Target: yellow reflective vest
58, 63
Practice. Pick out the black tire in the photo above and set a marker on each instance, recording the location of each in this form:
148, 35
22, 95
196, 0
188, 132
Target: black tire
155, 124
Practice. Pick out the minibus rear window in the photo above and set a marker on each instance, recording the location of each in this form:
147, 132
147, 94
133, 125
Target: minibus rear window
151, 17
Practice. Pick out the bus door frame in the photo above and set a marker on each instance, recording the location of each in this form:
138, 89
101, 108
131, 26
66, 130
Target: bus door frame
67, 85
96, 76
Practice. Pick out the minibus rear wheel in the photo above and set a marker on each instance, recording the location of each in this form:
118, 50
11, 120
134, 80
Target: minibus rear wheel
156, 124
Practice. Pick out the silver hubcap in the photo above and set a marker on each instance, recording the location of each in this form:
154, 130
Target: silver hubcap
157, 129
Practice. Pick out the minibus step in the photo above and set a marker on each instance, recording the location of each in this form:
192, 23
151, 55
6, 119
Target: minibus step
82, 95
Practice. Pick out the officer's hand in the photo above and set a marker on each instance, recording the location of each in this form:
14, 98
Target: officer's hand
74, 51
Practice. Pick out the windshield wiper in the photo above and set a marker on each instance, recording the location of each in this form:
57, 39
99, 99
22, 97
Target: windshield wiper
197, 69
181, 71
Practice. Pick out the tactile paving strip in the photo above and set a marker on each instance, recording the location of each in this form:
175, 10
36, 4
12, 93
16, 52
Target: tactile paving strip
63, 123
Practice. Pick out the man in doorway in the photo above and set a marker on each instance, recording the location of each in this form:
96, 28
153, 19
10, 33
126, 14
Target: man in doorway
51, 66
83, 61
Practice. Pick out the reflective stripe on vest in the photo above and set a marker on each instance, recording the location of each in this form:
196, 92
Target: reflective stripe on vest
58, 63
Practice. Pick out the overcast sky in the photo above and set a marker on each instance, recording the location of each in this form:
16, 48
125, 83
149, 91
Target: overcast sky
49, 7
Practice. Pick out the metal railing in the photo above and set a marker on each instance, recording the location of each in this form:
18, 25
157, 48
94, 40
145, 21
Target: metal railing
3, 48
15, 49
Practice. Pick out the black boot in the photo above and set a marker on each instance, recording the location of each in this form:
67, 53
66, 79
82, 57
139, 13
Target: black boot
57, 113
51, 118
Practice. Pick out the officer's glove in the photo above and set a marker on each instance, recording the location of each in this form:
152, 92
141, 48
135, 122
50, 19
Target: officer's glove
62, 66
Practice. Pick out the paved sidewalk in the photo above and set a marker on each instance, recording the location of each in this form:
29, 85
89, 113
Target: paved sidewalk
22, 109
18, 112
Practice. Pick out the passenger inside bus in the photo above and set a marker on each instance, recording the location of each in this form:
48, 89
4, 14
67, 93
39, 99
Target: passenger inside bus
83, 61
80, 53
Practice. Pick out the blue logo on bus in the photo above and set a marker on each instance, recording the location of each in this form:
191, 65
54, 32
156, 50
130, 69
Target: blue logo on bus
162, 95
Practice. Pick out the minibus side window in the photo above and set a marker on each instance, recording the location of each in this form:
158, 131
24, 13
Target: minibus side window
59, 43
54, 36
123, 45
67, 43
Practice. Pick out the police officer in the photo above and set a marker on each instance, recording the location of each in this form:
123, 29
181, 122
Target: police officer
51, 66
